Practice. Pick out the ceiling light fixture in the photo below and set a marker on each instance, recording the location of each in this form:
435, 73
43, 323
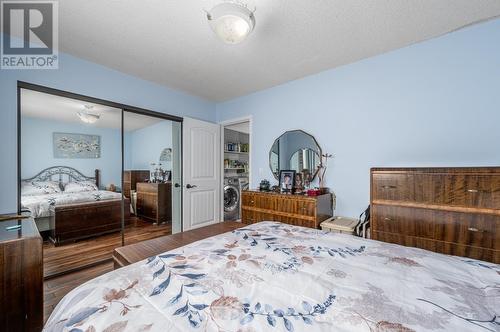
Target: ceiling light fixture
87, 116
231, 22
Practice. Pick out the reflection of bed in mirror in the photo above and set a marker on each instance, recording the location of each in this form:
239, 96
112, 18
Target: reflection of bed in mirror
68, 205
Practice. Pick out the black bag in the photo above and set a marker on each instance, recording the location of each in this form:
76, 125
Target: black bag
363, 226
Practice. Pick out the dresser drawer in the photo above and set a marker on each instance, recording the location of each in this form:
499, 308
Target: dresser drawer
393, 187
478, 230
297, 221
252, 217
448, 248
247, 199
461, 189
147, 187
247, 216
296, 206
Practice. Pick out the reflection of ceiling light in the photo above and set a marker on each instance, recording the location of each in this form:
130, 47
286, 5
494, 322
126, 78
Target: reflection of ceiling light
232, 22
87, 116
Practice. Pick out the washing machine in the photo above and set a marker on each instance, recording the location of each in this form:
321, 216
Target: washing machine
232, 198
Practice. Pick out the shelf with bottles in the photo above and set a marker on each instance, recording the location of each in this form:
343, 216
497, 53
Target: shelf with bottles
235, 165
236, 147
235, 152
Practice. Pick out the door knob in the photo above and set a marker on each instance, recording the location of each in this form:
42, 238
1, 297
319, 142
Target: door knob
188, 186
177, 185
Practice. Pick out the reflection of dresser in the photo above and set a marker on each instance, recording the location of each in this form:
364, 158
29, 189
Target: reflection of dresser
130, 178
297, 210
154, 201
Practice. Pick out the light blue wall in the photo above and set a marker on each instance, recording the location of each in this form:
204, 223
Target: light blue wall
83, 77
144, 146
37, 149
436, 103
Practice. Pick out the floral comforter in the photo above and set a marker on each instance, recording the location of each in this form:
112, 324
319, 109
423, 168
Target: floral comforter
39, 205
276, 277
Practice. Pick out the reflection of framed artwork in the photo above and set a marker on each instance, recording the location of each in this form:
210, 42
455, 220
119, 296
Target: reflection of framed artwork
74, 146
287, 180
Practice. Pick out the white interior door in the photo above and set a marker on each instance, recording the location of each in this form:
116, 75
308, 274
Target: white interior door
201, 173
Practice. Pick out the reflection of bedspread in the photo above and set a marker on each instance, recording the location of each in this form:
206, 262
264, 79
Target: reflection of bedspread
39, 205
275, 277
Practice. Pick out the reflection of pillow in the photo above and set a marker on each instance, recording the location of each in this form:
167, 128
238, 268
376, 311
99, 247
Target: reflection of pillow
79, 186
39, 188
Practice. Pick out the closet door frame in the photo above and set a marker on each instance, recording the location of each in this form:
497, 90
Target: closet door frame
61, 93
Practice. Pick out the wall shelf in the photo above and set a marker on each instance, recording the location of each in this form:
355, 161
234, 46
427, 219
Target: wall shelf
236, 152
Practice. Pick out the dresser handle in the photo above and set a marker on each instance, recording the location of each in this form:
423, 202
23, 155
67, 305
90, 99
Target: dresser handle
389, 187
387, 219
474, 229
473, 191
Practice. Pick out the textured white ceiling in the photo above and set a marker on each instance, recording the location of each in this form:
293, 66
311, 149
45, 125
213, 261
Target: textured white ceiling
50, 107
170, 42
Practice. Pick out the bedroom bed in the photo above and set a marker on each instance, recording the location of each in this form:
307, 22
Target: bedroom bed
271, 276
69, 206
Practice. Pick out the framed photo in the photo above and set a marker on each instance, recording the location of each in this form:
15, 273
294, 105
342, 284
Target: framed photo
287, 180
299, 183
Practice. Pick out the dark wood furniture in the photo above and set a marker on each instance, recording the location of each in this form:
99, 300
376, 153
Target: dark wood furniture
73, 222
21, 277
297, 210
136, 252
130, 179
154, 201
453, 211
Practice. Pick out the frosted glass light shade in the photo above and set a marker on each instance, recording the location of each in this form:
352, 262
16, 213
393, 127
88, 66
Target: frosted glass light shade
231, 22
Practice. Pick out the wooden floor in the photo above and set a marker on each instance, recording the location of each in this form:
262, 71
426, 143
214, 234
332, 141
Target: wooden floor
86, 253
54, 289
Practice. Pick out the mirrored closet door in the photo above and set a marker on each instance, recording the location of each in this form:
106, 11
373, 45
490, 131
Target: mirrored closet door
96, 176
151, 170
70, 176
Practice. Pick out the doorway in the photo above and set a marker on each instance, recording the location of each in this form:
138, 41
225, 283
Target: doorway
236, 171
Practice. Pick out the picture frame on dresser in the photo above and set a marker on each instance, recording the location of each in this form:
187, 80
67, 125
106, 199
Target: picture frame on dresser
287, 180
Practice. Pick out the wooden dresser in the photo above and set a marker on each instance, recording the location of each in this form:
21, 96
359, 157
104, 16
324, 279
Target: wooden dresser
21, 277
130, 179
454, 211
297, 210
154, 201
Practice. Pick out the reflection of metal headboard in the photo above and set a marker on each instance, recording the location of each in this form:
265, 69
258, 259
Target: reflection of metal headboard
63, 174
